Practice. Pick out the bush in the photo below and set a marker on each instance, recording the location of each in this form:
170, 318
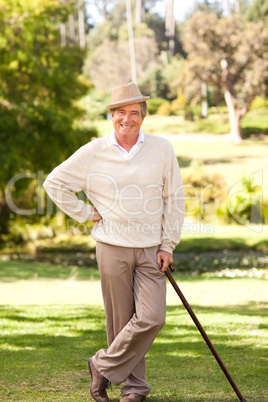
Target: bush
165, 109
214, 124
95, 108
202, 192
244, 206
153, 104
259, 102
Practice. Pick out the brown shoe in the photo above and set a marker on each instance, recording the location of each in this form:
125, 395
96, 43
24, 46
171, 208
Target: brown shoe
133, 398
98, 385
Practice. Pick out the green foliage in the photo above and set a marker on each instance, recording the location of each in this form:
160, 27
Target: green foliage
94, 106
153, 83
226, 52
244, 206
258, 10
108, 43
106, 74
165, 109
255, 122
40, 84
259, 102
153, 104
214, 124
158, 81
202, 191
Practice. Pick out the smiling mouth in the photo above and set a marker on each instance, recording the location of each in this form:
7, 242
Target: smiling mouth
123, 126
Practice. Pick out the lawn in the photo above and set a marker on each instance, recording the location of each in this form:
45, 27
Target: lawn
52, 320
255, 121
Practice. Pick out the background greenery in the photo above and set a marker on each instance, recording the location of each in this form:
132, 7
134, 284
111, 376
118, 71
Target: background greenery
54, 90
53, 93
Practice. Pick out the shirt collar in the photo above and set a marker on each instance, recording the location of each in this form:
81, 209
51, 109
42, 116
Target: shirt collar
115, 143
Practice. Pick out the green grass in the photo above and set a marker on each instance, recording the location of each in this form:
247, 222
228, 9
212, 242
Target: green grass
254, 122
52, 323
207, 237
196, 237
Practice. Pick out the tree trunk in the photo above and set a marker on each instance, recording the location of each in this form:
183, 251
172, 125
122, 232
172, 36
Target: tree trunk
63, 34
228, 8
204, 96
237, 6
140, 11
72, 28
131, 42
234, 117
170, 25
81, 24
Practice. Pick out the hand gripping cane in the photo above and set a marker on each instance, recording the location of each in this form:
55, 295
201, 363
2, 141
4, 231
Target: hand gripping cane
203, 333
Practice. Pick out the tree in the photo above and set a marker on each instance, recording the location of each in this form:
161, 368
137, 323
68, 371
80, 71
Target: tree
109, 64
258, 10
40, 82
230, 53
108, 61
140, 11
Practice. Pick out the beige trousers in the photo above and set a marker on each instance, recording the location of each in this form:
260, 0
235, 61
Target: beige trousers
134, 295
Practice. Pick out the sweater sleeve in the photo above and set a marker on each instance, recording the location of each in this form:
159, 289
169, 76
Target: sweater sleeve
173, 205
66, 179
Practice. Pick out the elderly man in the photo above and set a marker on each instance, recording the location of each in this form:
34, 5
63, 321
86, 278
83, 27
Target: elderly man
133, 182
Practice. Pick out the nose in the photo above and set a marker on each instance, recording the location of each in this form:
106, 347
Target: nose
127, 117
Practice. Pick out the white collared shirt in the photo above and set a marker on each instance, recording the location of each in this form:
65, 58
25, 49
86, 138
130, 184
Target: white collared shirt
121, 150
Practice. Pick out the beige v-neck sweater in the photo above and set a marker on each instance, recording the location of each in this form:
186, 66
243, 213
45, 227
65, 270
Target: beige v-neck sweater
141, 200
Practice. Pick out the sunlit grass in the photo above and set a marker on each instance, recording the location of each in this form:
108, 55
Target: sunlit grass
51, 325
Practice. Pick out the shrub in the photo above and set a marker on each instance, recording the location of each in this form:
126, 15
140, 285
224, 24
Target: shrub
244, 206
153, 104
165, 109
202, 192
259, 102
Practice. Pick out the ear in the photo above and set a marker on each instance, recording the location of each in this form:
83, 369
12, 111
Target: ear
111, 113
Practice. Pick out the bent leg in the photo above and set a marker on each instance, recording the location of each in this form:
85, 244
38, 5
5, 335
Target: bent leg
134, 340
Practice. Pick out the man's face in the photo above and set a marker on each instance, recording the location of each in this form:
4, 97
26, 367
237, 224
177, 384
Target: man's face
127, 121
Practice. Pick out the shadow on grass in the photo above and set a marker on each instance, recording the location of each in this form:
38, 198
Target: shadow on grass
211, 244
231, 159
218, 244
46, 350
248, 131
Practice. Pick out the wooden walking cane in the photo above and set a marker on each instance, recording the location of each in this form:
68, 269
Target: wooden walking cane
203, 333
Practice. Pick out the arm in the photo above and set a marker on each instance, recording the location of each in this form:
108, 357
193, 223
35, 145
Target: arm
173, 211
66, 179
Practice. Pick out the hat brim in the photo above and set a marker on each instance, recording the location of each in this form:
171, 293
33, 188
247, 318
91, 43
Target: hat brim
126, 102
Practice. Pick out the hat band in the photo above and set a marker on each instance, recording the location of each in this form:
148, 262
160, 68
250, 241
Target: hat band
128, 99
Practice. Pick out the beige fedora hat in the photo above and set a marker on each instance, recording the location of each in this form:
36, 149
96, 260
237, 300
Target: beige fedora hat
126, 95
